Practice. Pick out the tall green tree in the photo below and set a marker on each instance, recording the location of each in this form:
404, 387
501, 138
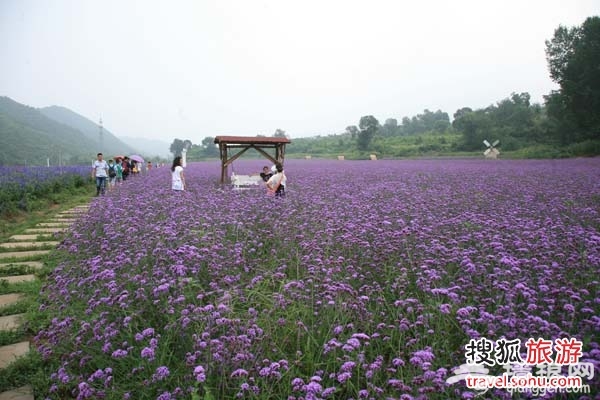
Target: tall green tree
279, 133
474, 126
352, 130
177, 147
390, 127
573, 56
368, 126
515, 117
426, 122
209, 147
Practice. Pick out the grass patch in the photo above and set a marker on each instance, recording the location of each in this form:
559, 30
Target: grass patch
16, 269
28, 370
19, 307
31, 288
11, 337
17, 221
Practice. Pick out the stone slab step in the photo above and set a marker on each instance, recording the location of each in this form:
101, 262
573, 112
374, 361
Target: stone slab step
32, 264
23, 254
17, 278
11, 298
11, 352
72, 213
53, 224
17, 245
30, 237
46, 230
11, 322
63, 220
22, 393
76, 210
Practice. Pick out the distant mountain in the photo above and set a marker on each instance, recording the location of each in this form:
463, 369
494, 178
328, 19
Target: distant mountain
111, 144
149, 147
29, 137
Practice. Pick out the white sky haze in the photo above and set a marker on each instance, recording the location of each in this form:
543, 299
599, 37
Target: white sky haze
191, 69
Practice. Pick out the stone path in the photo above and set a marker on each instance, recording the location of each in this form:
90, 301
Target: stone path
28, 245
23, 252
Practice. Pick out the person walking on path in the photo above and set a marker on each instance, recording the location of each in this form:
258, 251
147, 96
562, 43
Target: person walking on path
126, 168
100, 172
112, 175
177, 178
119, 168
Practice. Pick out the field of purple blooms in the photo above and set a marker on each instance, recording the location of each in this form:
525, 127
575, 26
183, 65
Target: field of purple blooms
365, 282
21, 186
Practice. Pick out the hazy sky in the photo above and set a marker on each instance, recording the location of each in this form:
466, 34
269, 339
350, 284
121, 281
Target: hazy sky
190, 69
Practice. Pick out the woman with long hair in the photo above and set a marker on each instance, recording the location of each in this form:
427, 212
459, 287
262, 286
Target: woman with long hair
177, 179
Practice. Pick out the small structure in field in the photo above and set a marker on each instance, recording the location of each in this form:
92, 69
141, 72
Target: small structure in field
259, 143
373, 157
491, 151
341, 158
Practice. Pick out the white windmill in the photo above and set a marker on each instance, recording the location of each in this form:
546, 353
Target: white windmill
491, 151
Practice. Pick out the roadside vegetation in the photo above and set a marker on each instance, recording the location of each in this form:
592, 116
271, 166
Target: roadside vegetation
29, 194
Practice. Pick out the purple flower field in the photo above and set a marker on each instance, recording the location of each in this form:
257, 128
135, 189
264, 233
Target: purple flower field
33, 175
365, 282
20, 185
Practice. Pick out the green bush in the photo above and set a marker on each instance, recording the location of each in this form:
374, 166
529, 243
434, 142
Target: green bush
585, 148
538, 151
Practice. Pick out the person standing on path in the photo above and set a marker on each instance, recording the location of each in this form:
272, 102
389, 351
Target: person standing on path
112, 175
119, 168
100, 172
126, 168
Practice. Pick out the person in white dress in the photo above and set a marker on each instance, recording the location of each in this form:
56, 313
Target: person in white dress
177, 178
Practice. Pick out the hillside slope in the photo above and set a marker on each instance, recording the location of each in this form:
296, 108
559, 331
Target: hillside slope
29, 137
111, 144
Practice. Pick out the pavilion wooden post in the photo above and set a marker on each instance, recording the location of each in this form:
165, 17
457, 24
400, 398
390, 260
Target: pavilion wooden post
259, 143
223, 152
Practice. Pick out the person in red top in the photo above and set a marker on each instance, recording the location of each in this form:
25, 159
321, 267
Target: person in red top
126, 168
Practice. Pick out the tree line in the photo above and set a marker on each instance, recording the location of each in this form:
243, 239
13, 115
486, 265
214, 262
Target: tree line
568, 121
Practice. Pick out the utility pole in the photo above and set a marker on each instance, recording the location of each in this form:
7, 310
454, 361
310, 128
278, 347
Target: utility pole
101, 137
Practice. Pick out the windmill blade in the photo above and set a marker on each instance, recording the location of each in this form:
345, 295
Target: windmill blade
486, 143
485, 153
495, 143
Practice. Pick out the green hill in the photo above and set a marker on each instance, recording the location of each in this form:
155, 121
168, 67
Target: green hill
30, 136
111, 144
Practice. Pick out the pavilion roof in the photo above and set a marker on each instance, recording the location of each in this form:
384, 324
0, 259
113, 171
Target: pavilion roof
250, 140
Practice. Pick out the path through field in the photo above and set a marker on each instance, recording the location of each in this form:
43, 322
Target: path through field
26, 251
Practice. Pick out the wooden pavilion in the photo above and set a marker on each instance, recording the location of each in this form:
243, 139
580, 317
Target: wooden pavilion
243, 143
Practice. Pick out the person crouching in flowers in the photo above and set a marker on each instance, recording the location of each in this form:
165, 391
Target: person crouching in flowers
177, 179
276, 183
